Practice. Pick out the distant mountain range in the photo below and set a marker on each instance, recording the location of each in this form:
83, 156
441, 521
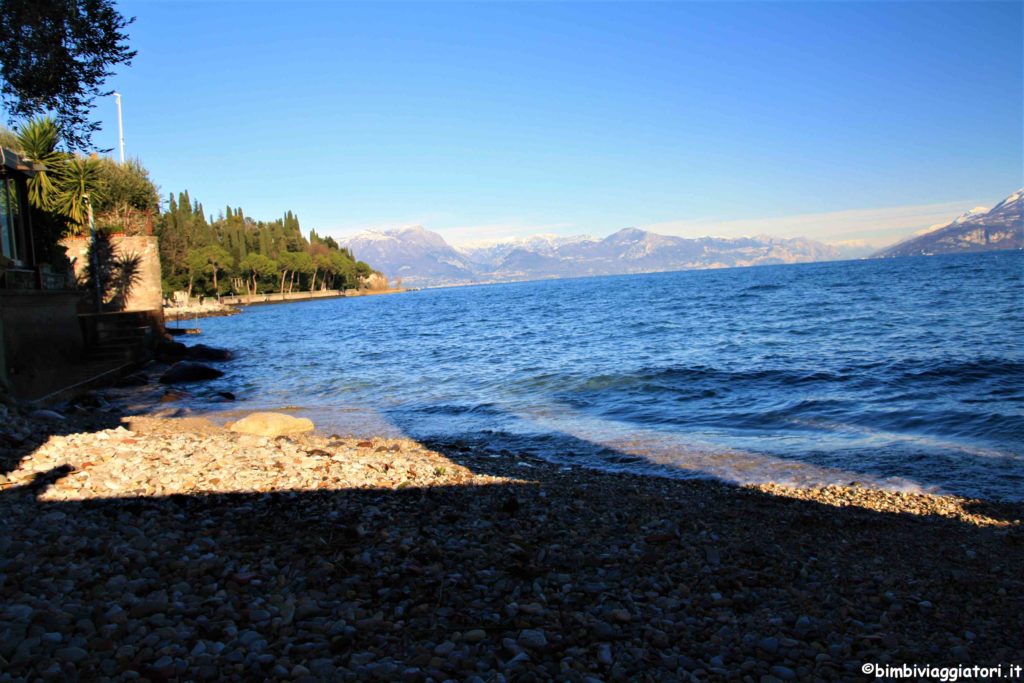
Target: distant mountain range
979, 229
422, 258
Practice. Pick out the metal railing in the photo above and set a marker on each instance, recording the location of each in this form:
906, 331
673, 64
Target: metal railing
33, 278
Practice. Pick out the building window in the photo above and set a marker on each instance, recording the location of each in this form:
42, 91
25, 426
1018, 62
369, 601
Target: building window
10, 220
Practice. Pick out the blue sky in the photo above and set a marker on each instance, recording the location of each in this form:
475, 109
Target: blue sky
843, 120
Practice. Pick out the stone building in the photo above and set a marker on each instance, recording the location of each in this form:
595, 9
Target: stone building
52, 340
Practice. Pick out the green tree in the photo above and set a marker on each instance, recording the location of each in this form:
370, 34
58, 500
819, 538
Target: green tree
343, 271
38, 139
321, 263
129, 197
303, 265
288, 262
115, 190
195, 264
56, 55
79, 179
255, 266
293, 261
215, 259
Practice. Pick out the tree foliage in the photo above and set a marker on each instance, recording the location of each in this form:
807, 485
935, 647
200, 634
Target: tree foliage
127, 199
55, 56
79, 184
126, 185
121, 194
38, 139
256, 256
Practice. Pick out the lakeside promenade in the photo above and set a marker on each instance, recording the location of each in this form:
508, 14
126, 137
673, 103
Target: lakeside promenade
207, 307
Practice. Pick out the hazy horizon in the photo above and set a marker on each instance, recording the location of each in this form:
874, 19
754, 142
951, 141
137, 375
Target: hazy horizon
877, 228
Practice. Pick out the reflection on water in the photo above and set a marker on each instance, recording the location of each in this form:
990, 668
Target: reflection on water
906, 372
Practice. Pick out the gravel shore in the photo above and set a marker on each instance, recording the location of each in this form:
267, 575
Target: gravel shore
166, 549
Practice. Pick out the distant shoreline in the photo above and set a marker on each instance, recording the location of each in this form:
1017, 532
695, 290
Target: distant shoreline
234, 305
548, 278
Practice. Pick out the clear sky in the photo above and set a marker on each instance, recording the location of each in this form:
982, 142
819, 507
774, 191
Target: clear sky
834, 120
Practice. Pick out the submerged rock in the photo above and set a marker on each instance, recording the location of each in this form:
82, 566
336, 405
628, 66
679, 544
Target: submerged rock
168, 350
271, 424
186, 371
204, 352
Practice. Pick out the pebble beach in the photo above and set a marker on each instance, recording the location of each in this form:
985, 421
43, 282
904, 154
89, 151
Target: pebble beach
165, 549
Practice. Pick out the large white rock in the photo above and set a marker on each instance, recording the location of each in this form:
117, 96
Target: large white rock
271, 424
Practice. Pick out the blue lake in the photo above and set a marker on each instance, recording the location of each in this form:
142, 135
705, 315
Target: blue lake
904, 373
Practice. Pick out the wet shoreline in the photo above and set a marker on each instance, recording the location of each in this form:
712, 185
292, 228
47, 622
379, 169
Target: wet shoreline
165, 547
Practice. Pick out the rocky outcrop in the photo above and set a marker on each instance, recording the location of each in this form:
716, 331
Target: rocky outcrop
271, 424
187, 371
170, 351
204, 352
375, 281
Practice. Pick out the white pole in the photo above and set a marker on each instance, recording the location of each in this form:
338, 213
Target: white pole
120, 125
94, 256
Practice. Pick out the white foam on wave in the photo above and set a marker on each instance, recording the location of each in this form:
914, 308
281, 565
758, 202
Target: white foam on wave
692, 458
886, 436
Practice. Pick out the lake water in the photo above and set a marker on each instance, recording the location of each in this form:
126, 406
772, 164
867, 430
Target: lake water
904, 373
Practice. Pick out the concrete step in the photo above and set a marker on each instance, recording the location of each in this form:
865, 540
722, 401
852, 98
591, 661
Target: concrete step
122, 331
120, 339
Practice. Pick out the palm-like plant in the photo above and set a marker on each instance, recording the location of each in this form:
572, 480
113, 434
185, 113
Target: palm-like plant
38, 141
79, 178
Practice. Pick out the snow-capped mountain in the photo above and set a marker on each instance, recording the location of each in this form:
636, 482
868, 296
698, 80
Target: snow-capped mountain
423, 258
413, 254
969, 215
1001, 227
493, 251
854, 249
966, 215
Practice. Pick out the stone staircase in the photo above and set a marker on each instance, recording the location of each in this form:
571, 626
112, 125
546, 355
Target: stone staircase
117, 338
106, 347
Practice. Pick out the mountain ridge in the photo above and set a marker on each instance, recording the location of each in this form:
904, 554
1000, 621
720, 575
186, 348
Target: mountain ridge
1001, 227
420, 257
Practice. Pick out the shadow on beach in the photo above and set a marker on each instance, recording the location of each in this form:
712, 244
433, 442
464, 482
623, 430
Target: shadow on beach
560, 573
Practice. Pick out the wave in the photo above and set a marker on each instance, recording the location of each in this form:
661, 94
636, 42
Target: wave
763, 288
863, 366
893, 374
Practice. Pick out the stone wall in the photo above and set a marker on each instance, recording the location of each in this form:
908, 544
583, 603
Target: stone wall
271, 297
146, 295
